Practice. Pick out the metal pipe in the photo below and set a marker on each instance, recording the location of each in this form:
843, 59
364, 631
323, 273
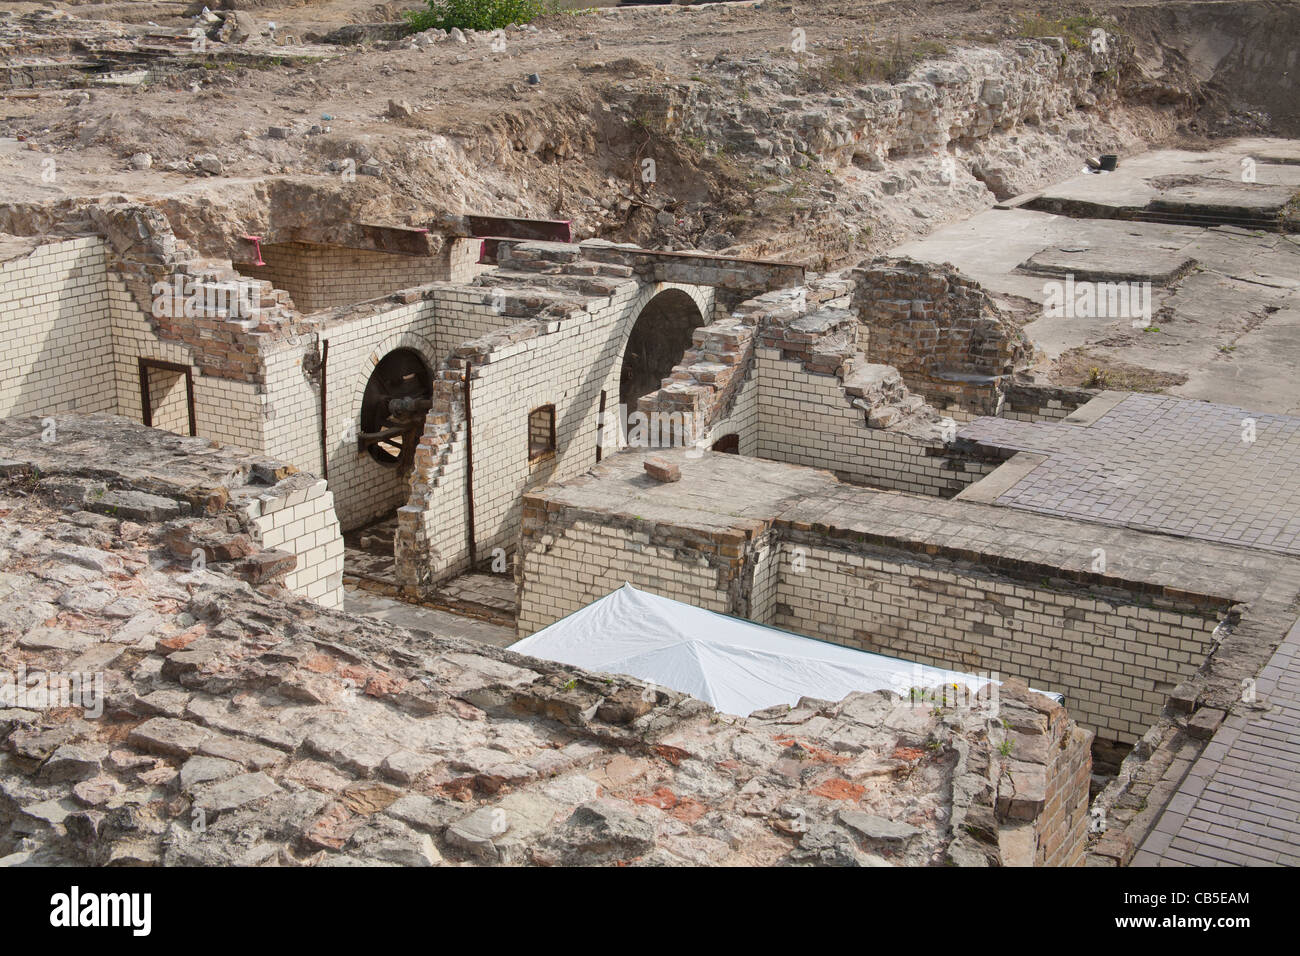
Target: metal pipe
324, 439
469, 470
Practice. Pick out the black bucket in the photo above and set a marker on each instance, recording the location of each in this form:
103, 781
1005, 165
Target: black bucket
1109, 161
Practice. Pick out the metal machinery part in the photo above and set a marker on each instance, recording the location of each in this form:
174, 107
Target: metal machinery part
393, 408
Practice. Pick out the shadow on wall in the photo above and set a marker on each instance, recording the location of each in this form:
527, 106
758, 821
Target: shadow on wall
661, 335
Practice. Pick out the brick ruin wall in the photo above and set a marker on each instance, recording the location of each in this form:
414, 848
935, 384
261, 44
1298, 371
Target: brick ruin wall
805, 418
259, 518
784, 372
303, 522
74, 334
567, 363
1115, 654
940, 330
326, 277
74, 315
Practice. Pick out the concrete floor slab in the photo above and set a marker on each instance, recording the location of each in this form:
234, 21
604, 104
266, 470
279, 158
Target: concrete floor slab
1228, 327
1154, 463
425, 619
1181, 178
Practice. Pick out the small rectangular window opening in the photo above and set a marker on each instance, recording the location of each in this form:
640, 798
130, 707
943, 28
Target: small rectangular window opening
541, 433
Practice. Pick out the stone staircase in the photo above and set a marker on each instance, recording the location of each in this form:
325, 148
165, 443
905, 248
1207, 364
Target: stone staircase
559, 266
704, 384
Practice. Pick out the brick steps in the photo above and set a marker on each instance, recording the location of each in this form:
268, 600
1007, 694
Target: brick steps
879, 391
583, 284
709, 374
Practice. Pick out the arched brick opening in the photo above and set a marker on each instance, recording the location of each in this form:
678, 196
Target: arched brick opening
728, 444
661, 334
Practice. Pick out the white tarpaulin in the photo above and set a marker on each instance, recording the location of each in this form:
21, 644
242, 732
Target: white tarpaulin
737, 666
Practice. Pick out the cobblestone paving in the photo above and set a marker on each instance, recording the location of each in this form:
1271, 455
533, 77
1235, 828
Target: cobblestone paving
1166, 465
1240, 802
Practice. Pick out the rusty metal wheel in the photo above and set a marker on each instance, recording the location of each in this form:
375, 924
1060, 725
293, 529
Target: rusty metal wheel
393, 407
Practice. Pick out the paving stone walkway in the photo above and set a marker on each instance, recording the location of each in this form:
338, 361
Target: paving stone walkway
1163, 464
1240, 802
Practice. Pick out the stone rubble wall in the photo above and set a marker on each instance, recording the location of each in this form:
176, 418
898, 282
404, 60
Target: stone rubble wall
971, 97
259, 518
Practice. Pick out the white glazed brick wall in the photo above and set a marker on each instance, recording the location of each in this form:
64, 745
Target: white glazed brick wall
806, 419
364, 489
463, 260
324, 277
224, 410
303, 522
56, 348
589, 560
567, 367
1116, 663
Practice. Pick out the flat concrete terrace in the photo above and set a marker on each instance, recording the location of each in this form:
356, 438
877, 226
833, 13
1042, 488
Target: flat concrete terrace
1153, 463
1224, 301
1246, 178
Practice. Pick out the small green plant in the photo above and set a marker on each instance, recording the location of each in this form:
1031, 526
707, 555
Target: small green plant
1097, 378
572, 683
1005, 748
478, 14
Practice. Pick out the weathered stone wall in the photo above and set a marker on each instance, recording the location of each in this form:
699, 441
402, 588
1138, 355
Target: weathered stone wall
256, 517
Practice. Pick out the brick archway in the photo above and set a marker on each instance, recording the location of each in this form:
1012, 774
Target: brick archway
659, 336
